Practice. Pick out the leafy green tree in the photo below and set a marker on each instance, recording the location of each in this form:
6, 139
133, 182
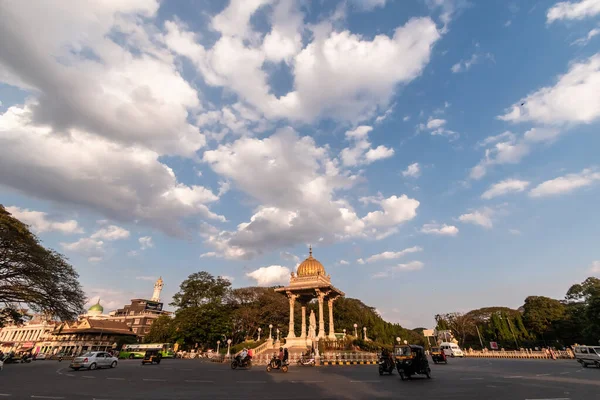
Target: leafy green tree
34, 276
540, 313
200, 288
162, 330
582, 292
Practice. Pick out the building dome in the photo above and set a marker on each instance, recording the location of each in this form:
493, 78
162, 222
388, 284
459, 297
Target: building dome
310, 267
96, 309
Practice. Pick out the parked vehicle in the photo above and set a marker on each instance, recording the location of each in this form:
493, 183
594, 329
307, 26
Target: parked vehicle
41, 356
93, 360
411, 360
438, 356
587, 355
451, 349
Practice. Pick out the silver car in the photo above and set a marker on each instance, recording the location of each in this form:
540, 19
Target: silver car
93, 360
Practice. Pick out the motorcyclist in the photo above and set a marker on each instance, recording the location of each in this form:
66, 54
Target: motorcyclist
286, 356
243, 355
386, 356
280, 358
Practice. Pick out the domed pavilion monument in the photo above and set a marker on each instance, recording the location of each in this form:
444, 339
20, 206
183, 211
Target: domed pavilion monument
308, 283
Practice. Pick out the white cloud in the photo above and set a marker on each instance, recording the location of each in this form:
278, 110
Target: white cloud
86, 246
76, 167
209, 254
94, 259
146, 278
146, 242
110, 233
269, 276
595, 267
565, 184
481, 217
360, 152
406, 118
132, 253
437, 229
360, 261
509, 136
40, 223
343, 262
573, 99
413, 171
395, 210
586, 39
515, 232
465, 65
435, 123
573, 10
389, 272
390, 255
369, 4
503, 187
511, 152
228, 277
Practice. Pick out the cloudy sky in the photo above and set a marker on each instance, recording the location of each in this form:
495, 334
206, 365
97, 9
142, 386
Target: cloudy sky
439, 155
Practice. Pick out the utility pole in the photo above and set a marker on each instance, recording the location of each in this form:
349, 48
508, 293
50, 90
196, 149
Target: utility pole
478, 334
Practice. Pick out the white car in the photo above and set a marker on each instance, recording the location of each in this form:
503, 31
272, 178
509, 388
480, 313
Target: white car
93, 360
40, 356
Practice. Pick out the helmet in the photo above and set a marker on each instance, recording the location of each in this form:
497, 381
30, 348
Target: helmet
281, 349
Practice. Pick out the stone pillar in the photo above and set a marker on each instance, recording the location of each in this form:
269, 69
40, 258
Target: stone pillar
331, 328
303, 333
321, 299
292, 298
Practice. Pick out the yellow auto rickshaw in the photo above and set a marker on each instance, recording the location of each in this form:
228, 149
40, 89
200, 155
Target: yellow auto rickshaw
151, 357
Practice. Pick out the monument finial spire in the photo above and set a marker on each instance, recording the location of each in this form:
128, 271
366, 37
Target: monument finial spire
310, 250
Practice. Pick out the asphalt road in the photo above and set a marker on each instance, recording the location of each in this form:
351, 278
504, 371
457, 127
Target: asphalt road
193, 379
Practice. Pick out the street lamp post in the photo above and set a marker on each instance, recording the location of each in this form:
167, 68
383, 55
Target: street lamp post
277, 334
365, 332
344, 333
398, 339
270, 332
218, 344
355, 326
259, 329
228, 347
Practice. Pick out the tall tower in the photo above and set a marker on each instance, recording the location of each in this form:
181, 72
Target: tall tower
157, 289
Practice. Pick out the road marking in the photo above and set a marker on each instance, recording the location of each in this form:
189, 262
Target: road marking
116, 379
564, 373
542, 374
365, 381
88, 377
4, 394
307, 381
554, 398
197, 381
251, 381
45, 397
471, 379
513, 377
154, 380
69, 375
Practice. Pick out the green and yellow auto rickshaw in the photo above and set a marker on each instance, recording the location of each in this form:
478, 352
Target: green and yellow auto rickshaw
411, 360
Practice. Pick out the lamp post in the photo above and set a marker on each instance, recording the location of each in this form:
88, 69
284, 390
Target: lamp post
259, 329
218, 344
398, 339
365, 332
228, 347
277, 334
270, 331
355, 326
344, 333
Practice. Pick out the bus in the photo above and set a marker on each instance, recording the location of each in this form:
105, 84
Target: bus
132, 351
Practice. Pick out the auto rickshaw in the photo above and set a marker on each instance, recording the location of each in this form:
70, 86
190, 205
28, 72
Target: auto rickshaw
151, 357
411, 360
438, 355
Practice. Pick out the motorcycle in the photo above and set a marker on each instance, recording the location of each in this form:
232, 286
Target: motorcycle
238, 362
386, 366
310, 361
274, 364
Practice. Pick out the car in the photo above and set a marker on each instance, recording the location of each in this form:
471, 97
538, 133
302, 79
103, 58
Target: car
93, 360
40, 356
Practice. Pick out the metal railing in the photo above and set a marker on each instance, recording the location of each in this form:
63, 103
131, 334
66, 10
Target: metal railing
525, 353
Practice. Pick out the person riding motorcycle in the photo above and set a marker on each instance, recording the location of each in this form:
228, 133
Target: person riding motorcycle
243, 355
280, 358
387, 357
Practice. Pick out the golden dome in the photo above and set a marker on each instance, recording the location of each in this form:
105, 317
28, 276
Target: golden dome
311, 267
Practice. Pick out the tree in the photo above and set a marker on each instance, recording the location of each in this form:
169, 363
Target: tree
200, 288
162, 330
35, 276
461, 325
540, 313
582, 292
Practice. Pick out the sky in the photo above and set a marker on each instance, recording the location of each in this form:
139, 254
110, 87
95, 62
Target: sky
439, 155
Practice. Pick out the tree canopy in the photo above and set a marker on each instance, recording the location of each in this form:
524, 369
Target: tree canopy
33, 276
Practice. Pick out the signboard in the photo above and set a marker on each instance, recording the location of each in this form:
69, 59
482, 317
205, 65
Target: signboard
154, 306
428, 333
494, 345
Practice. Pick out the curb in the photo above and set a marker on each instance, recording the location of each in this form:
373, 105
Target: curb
348, 362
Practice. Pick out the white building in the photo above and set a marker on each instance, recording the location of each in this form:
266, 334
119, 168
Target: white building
24, 337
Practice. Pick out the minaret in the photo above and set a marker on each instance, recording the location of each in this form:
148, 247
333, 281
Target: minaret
157, 288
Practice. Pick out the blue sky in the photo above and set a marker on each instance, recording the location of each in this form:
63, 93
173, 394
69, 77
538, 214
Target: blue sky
439, 155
